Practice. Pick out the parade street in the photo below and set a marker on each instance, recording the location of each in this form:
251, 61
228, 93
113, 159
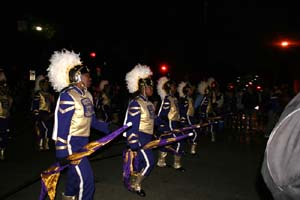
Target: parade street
227, 169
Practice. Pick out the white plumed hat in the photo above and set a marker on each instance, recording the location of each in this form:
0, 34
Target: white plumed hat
180, 88
210, 80
37, 82
160, 84
60, 64
202, 87
102, 84
138, 72
2, 75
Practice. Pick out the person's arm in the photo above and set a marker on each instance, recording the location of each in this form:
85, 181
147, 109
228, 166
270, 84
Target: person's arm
63, 115
100, 125
132, 134
162, 119
197, 102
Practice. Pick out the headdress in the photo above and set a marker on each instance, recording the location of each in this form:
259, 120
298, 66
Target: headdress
37, 82
211, 81
61, 63
102, 84
180, 88
2, 75
137, 77
202, 86
160, 86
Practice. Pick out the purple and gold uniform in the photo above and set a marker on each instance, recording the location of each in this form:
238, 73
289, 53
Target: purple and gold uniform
186, 106
169, 119
41, 108
74, 115
142, 114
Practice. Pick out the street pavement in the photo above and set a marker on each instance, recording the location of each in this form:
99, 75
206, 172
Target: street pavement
227, 169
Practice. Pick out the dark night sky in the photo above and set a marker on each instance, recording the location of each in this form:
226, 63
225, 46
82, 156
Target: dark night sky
214, 37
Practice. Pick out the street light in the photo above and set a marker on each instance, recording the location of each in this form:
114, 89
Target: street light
38, 28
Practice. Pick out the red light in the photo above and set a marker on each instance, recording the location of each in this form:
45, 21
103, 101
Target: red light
284, 43
213, 85
93, 54
258, 87
230, 86
163, 68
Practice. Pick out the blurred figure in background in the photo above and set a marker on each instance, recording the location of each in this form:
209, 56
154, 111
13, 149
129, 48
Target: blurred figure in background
6, 102
168, 120
186, 107
274, 108
103, 101
43, 114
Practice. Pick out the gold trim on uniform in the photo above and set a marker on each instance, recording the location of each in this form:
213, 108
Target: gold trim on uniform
106, 100
61, 147
43, 103
82, 117
132, 141
134, 110
132, 135
63, 111
174, 110
147, 116
4, 106
166, 107
191, 110
61, 140
67, 102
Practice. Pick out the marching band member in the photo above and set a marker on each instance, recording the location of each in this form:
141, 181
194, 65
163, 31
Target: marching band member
168, 119
141, 113
42, 113
74, 115
186, 108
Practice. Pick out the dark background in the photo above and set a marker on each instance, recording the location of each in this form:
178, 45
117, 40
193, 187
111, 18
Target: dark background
223, 39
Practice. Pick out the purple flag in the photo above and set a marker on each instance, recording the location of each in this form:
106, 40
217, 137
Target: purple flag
49, 177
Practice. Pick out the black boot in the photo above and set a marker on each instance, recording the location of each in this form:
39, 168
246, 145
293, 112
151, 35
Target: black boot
138, 186
180, 169
141, 193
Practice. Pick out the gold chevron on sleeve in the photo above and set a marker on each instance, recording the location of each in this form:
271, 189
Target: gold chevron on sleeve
63, 111
67, 103
132, 141
61, 147
166, 103
132, 135
61, 140
133, 111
